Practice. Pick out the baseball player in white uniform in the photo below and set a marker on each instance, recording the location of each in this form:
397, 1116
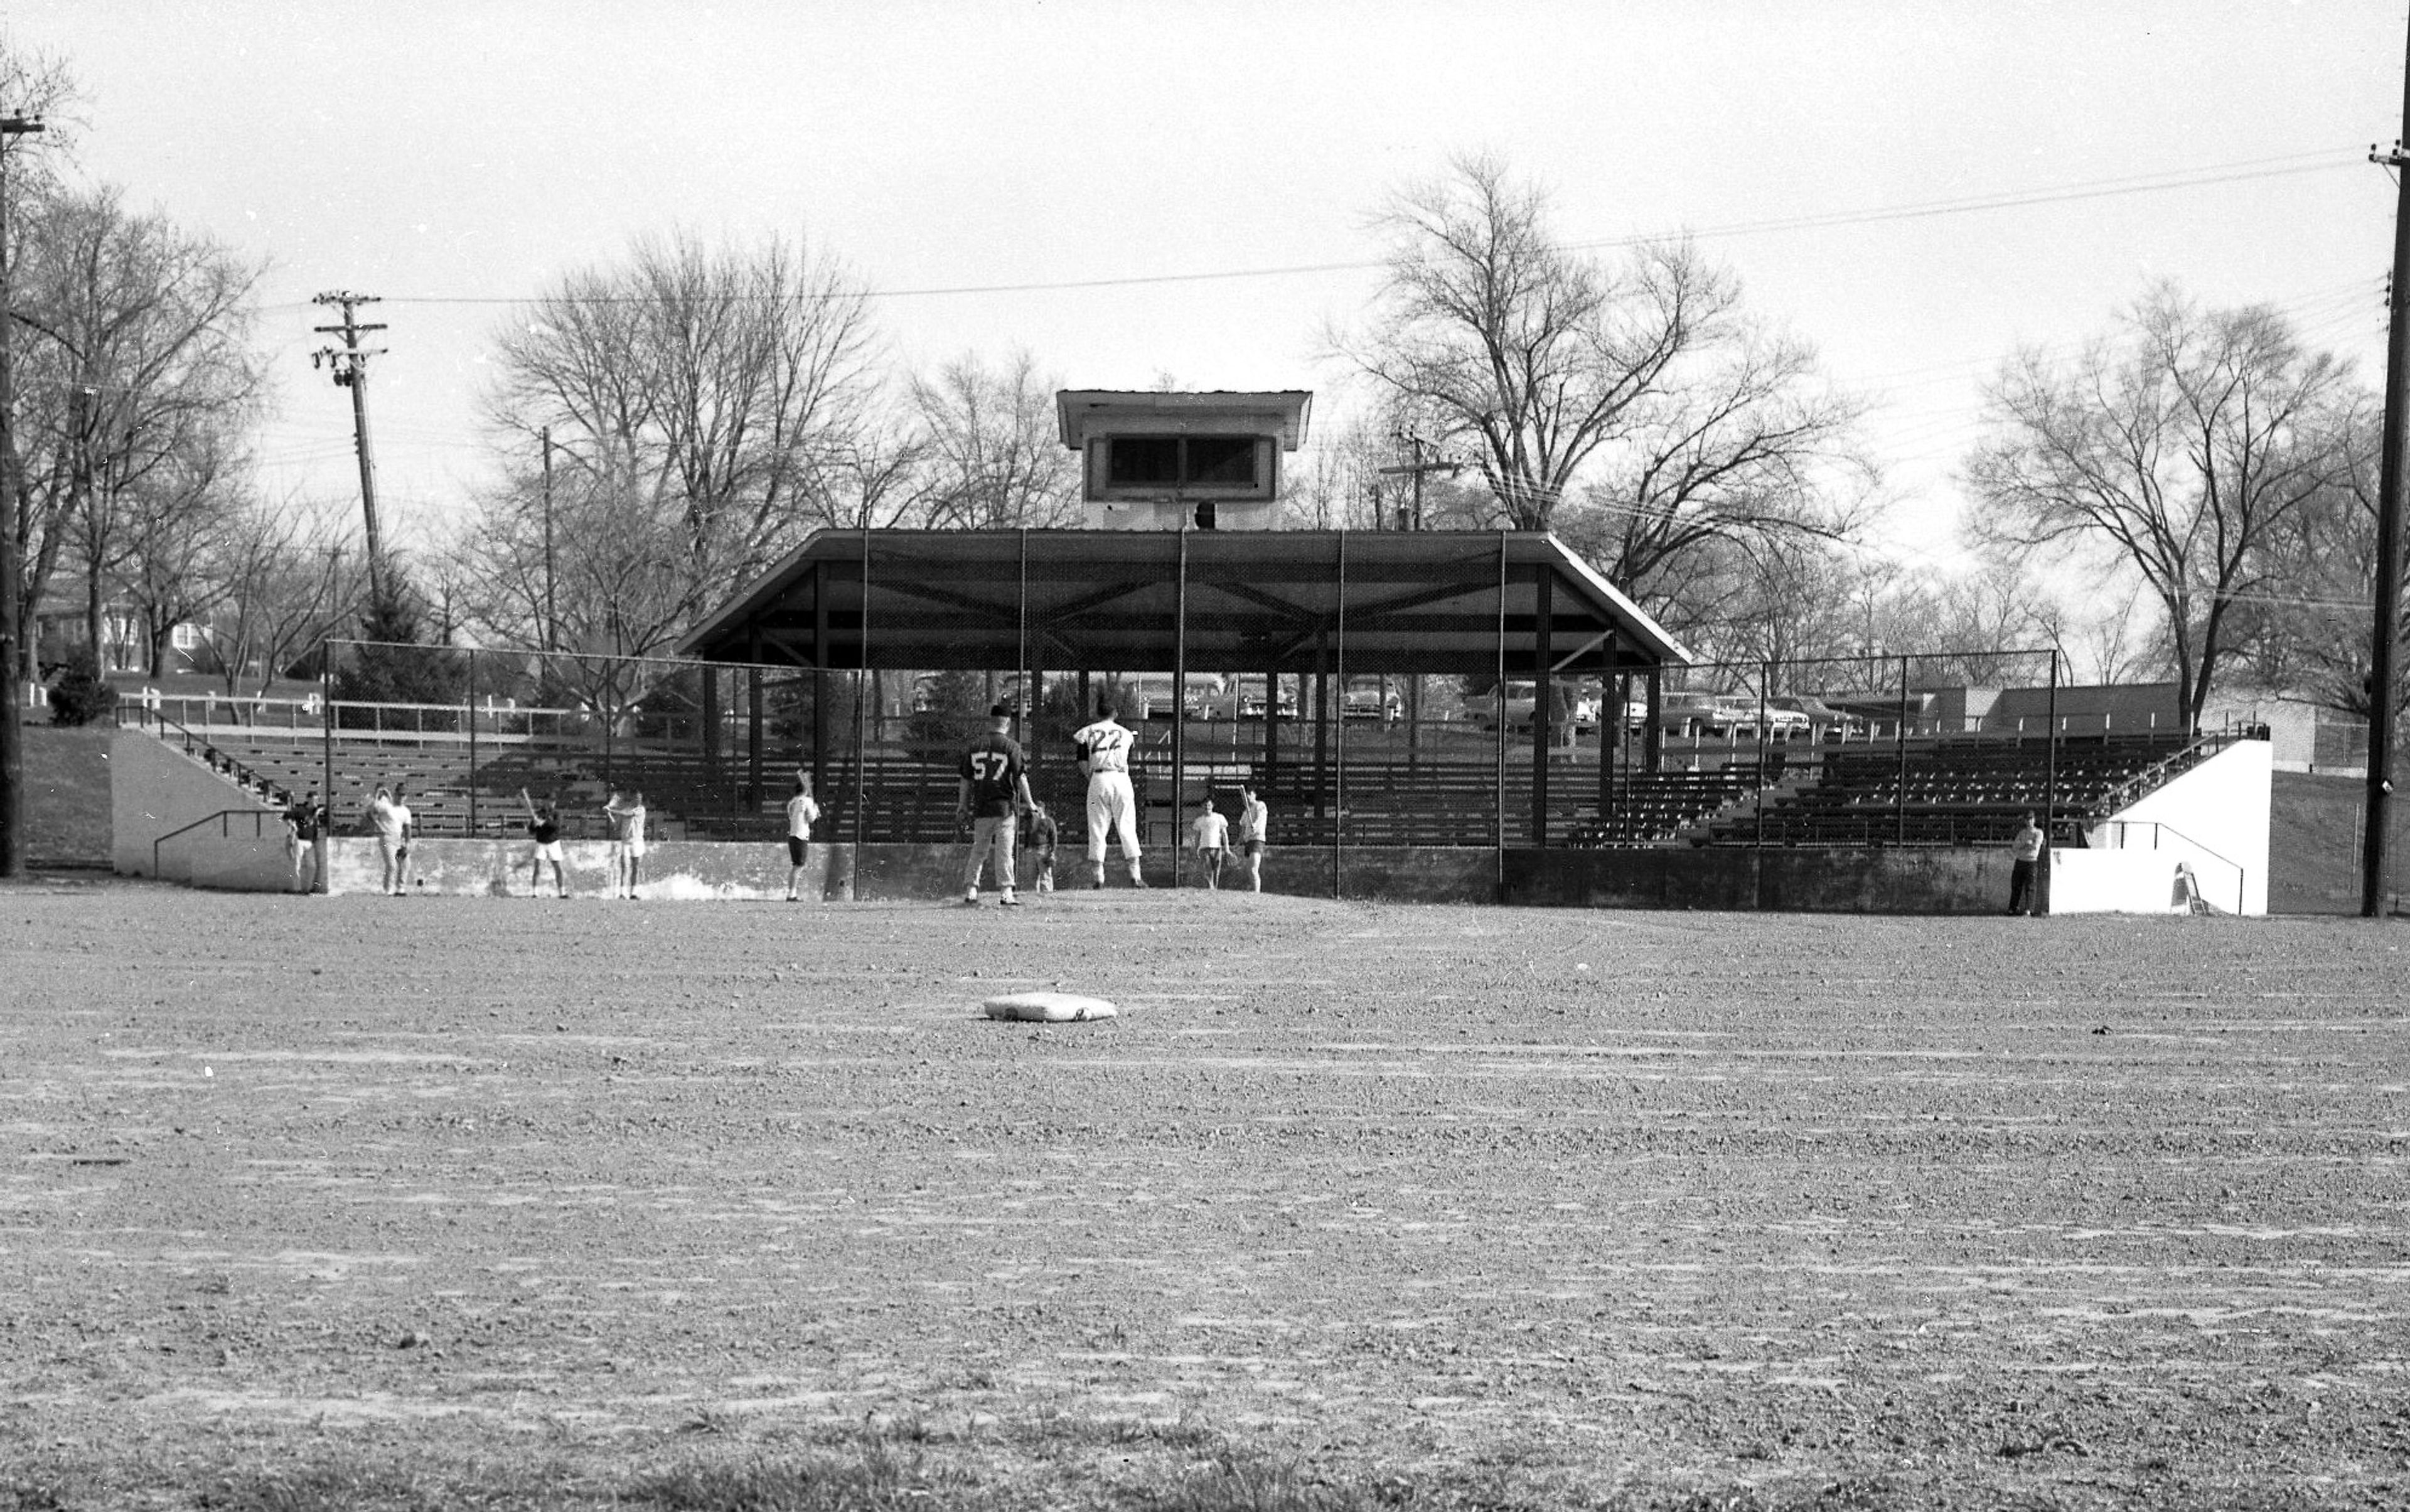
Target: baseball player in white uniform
1104, 750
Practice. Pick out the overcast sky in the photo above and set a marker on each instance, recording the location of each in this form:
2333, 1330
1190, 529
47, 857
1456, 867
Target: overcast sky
456, 157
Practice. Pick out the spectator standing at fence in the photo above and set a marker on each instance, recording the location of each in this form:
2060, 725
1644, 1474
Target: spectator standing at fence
302, 822
1043, 835
2024, 850
1209, 836
1104, 754
1255, 824
991, 793
627, 816
544, 828
802, 809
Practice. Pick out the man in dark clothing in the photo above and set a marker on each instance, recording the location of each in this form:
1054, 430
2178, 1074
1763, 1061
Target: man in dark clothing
304, 821
2025, 848
991, 795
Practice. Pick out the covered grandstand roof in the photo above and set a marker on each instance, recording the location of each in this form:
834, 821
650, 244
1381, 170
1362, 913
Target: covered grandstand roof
1232, 600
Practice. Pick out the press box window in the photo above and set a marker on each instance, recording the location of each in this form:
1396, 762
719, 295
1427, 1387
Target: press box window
1209, 467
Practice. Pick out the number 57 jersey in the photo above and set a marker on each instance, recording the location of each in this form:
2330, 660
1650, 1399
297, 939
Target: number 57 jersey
994, 769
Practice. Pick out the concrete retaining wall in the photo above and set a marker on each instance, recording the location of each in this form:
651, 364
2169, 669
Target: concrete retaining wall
674, 869
1868, 881
1771, 880
233, 866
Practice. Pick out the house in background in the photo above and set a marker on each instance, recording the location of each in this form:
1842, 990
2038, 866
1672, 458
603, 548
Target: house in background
125, 644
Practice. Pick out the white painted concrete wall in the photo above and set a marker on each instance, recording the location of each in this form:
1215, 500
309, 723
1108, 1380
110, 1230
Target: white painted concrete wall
2212, 819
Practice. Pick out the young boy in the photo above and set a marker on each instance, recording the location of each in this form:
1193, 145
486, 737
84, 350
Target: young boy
1253, 819
544, 828
802, 809
1210, 838
627, 816
1043, 835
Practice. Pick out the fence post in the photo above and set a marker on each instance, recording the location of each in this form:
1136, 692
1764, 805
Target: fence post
1339, 805
1179, 688
471, 713
327, 737
1899, 800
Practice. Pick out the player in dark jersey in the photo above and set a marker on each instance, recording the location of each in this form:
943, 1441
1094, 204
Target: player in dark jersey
991, 795
544, 830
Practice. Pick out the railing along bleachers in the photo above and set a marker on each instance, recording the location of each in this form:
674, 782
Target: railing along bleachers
1960, 791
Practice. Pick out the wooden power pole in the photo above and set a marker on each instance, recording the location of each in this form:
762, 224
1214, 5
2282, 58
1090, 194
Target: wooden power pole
14, 631
2382, 678
349, 362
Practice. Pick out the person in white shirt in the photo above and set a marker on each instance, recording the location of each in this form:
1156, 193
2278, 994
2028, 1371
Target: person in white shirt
1255, 821
391, 818
627, 818
1104, 753
800, 811
1209, 836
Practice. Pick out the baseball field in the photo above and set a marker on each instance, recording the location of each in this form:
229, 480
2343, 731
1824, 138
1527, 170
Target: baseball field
419, 1203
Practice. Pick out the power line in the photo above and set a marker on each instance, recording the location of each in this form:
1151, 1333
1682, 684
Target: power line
2281, 165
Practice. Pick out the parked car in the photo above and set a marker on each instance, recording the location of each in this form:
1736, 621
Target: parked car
1692, 713
1244, 702
1819, 713
1780, 723
1366, 698
1481, 708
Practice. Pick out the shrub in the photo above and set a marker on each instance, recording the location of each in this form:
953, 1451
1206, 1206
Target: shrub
81, 695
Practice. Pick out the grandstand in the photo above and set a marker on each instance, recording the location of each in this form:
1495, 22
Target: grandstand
888, 646
1937, 790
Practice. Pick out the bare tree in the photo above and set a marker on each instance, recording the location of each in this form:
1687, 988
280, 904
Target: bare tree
993, 458
141, 364
32, 83
286, 587
622, 578
1634, 409
715, 387
1747, 445
2182, 442
176, 519
1336, 483
2308, 629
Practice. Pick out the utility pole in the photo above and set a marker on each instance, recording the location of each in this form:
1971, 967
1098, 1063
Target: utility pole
2387, 633
551, 611
12, 651
1418, 469
349, 363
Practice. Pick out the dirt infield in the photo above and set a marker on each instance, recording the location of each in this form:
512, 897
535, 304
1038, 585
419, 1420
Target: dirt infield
1608, 1207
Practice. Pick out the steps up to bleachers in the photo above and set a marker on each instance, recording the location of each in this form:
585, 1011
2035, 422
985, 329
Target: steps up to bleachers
1659, 807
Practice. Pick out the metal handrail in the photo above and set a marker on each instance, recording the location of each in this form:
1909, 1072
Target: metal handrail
235, 770
259, 817
2242, 873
